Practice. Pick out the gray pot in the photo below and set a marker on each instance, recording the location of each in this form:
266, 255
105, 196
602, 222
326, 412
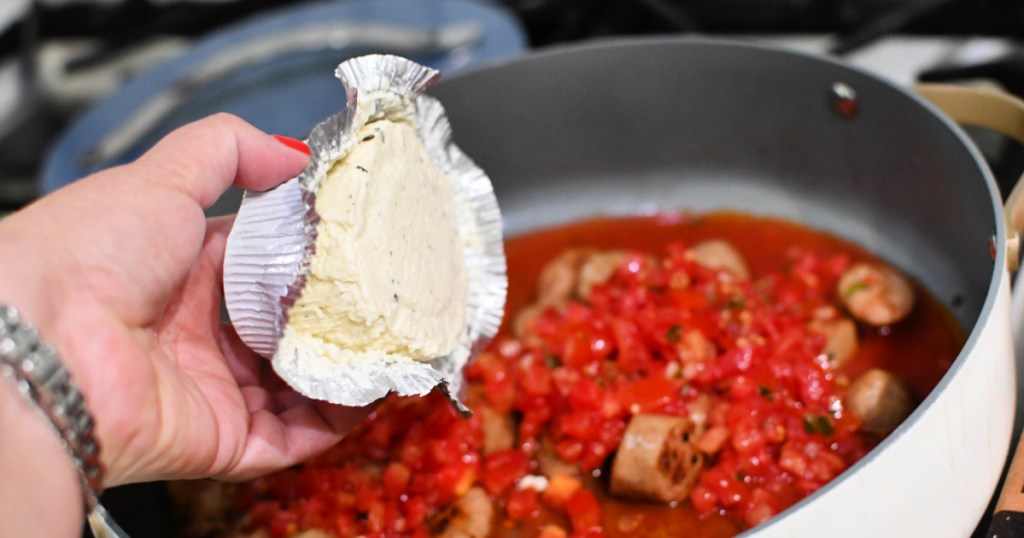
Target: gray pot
625, 127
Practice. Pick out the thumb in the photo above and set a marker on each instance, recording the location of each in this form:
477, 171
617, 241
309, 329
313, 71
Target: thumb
202, 159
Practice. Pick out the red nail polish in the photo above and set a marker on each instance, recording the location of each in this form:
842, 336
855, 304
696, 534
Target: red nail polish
297, 145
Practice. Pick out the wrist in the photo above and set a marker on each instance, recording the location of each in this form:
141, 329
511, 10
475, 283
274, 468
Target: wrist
43, 380
38, 410
43, 287
40, 494
25, 283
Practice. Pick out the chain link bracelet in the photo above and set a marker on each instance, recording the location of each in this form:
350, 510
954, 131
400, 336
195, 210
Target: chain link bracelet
41, 377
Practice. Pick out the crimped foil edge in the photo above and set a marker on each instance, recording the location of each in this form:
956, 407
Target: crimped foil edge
354, 380
264, 252
479, 221
383, 85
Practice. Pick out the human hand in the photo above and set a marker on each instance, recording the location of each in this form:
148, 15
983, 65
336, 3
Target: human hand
121, 272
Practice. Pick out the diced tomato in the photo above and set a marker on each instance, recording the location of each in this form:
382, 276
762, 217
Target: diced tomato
689, 299
496, 378
569, 450
633, 355
454, 480
703, 498
713, 439
415, 510
535, 380
502, 469
560, 488
283, 524
376, 520
263, 512
592, 532
580, 424
583, 511
396, 478
649, 394
535, 416
792, 459
523, 504
762, 506
552, 531
411, 454
747, 437
585, 394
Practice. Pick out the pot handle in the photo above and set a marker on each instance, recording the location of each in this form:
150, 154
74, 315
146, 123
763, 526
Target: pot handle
1001, 112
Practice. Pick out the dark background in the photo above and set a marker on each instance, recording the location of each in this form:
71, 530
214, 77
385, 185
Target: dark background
116, 28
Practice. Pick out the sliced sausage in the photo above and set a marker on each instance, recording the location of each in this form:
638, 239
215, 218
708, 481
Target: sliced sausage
574, 272
657, 459
841, 341
876, 294
880, 400
499, 429
598, 268
557, 280
469, 516
571, 274
719, 254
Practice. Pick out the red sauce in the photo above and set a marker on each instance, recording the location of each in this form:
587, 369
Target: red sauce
585, 369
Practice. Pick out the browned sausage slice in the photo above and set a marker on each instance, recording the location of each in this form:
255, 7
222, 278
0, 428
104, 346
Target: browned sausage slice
598, 268
880, 400
876, 294
719, 254
499, 429
657, 459
571, 274
840, 339
469, 516
557, 281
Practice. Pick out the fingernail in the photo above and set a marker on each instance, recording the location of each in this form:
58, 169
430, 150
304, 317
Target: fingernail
297, 145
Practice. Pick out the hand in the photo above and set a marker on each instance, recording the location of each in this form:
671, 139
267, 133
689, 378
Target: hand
121, 272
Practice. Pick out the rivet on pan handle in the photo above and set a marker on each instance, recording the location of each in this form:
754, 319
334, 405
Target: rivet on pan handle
1002, 113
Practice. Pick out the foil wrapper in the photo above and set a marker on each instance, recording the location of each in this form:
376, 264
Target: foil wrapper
273, 240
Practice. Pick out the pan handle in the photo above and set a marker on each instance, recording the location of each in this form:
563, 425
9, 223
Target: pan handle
1003, 113
1000, 112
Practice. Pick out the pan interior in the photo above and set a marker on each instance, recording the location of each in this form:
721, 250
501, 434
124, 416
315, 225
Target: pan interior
640, 126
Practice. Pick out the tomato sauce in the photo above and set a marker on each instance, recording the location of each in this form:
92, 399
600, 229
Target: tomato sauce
573, 383
929, 340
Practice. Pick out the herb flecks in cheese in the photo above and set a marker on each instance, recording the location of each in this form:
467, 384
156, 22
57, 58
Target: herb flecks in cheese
388, 276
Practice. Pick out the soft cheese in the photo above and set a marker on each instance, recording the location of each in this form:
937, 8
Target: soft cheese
388, 276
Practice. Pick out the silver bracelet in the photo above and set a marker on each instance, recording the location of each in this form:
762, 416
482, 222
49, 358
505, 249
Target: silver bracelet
42, 378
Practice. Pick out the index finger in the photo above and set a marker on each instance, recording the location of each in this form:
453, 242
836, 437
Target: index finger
202, 159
